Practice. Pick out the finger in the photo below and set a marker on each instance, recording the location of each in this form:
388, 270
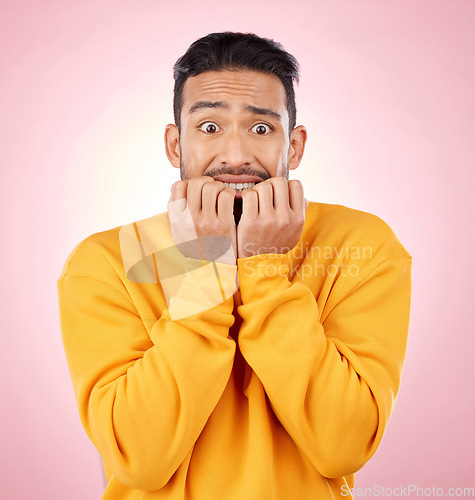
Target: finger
265, 194
177, 202
193, 193
281, 194
296, 198
226, 203
178, 190
250, 204
209, 195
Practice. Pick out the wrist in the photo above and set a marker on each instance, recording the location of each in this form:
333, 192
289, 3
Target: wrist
201, 289
261, 274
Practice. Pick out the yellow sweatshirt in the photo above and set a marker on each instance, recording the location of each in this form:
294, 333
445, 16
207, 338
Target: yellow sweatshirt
280, 392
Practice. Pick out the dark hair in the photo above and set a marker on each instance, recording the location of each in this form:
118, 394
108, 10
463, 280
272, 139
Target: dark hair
229, 50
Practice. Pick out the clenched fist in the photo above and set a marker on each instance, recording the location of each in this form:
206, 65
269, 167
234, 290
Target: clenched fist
273, 215
201, 218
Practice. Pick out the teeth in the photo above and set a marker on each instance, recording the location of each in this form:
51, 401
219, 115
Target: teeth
240, 186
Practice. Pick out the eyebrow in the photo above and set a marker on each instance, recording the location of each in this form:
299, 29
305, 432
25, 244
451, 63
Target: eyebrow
220, 104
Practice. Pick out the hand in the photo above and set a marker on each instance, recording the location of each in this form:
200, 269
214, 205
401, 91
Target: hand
201, 212
273, 214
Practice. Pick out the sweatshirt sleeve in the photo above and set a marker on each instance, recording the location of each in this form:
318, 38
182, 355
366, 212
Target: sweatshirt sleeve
144, 395
332, 382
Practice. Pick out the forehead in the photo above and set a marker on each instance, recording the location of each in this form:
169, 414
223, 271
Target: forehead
236, 87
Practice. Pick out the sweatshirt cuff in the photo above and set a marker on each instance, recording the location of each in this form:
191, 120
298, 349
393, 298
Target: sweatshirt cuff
210, 286
262, 274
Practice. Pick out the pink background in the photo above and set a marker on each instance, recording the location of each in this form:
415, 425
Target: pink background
387, 97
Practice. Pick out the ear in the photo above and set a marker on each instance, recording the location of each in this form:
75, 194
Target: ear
298, 138
172, 144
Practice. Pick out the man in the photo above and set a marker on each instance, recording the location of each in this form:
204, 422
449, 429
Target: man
246, 344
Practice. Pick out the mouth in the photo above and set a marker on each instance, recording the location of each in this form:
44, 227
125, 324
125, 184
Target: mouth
239, 186
238, 182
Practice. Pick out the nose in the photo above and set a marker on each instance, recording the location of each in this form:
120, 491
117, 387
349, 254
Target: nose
235, 149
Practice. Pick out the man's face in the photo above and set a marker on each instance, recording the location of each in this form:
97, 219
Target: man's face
234, 127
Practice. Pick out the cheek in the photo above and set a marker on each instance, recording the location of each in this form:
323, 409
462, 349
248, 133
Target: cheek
272, 157
196, 158
199, 155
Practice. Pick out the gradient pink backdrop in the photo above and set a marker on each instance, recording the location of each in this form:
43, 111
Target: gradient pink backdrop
387, 97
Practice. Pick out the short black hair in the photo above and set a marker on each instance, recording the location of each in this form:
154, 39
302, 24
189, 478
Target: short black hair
231, 50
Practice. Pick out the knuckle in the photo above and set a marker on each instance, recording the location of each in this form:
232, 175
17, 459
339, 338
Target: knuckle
177, 185
207, 181
207, 187
299, 223
190, 185
299, 218
285, 221
275, 181
295, 182
199, 182
203, 226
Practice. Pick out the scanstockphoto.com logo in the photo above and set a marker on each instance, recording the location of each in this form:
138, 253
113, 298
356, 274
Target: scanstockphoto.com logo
408, 491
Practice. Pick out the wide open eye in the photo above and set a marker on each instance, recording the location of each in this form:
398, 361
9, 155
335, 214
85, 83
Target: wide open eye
209, 127
262, 129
